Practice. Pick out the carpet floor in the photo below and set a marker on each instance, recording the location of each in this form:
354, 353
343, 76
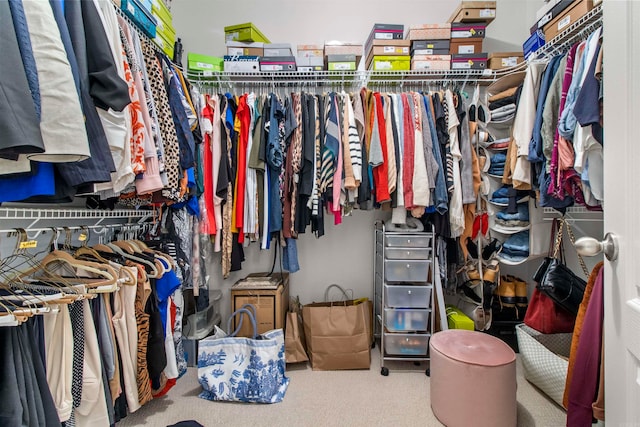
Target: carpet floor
335, 398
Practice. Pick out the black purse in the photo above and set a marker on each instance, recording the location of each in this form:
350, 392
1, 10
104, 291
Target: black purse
557, 280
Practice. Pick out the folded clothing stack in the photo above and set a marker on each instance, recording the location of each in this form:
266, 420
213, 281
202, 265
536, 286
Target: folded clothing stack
506, 195
518, 219
516, 247
498, 161
503, 105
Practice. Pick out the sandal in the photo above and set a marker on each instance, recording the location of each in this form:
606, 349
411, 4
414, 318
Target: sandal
491, 271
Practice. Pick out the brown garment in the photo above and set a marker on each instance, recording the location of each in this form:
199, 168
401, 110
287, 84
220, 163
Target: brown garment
577, 330
504, 94
470, 208
142, 320
114, 383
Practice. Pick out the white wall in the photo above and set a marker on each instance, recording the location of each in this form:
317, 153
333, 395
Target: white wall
344, 255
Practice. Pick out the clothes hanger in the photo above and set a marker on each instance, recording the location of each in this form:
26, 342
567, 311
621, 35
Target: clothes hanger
154, 269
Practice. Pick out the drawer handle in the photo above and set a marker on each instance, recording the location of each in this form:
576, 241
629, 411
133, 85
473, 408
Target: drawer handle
408, 265
408, 292
408, 253
408, 240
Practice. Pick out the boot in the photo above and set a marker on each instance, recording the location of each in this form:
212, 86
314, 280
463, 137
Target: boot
521, 291
506, 291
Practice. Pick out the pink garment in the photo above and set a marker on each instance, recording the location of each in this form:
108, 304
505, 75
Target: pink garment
586, 373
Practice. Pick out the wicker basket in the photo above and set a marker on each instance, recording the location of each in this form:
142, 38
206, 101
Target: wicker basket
545, 359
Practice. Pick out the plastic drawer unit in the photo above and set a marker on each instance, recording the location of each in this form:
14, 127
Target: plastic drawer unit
403, 293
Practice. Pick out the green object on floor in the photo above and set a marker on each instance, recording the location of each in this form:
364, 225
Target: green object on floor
456, 319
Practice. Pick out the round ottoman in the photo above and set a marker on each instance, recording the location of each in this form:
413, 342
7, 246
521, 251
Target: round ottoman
473, 379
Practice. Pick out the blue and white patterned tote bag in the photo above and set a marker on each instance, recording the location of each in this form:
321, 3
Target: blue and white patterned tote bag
243, 369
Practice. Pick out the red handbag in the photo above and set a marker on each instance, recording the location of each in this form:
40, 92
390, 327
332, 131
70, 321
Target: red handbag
543, 314
546, 316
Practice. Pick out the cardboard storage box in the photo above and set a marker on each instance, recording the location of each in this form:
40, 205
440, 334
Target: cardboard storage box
244, 33
198, 62
143, 19
551, 10
533, 43
391, 63
390, 47
341, 62
460, 31
310, 51
310, 61
277, 49
472, 45
499, 60
243, 63
166, 44
568, 17
474, 61
245, 48
278, 63
429, 32
474, 11
430, 47
431, 62
269, 295
343, 48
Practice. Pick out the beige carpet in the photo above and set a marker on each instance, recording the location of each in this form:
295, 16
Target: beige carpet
334, 398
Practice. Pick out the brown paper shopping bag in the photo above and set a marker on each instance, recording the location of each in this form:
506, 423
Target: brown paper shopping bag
338, 335
294, 339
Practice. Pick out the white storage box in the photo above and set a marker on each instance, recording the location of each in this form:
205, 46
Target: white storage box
406, 319
544, 359
406, 271
406, 344
407, 296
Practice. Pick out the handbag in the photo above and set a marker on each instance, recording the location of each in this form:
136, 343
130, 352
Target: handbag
557, 280
243, 369
545, 316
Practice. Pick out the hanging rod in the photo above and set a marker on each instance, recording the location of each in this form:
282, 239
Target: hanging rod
99, 229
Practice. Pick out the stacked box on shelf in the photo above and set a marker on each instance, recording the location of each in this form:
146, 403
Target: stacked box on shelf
499, 60
165, 32
143, 19
474, 11
431, 62
203, 64
383, 48
242, 63
471, 61
346, 62
245, 48
466, 38
246, 32
277, 57
342, 48
310, 57
430, 46
384, 41
570, 15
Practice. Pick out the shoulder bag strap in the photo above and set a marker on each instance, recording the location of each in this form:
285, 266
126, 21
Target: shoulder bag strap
572, 237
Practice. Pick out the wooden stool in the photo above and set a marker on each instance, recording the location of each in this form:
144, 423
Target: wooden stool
473, 379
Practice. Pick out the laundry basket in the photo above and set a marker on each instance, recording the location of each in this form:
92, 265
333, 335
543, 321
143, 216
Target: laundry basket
545, 359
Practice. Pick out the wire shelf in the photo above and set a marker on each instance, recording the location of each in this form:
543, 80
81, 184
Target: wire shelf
7, 213
580, 29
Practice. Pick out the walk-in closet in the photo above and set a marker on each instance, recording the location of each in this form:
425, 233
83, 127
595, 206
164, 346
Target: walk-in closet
318, 213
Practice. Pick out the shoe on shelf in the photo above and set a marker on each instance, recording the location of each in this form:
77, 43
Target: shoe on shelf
481, 318
469, 294
506, 291
520, 291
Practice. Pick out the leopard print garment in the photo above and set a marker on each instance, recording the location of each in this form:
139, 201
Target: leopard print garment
142, 321
167, 128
